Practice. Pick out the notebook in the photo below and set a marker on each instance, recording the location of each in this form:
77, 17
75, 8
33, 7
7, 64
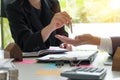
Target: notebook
51, 50
83, 56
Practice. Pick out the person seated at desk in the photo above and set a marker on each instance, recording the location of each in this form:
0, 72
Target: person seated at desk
34, 23
107, 44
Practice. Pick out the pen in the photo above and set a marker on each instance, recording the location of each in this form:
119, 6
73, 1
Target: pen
70, 26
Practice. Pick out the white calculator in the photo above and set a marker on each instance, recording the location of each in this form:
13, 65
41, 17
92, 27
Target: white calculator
85, 73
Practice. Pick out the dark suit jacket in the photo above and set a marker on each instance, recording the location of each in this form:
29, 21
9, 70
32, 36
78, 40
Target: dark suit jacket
26, 27
115, 43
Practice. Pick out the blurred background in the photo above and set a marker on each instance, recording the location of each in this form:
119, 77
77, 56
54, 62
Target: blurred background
97, 17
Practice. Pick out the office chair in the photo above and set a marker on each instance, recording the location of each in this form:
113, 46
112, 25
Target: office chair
12, 50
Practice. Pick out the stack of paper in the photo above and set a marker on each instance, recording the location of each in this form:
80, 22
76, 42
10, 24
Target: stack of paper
8, 70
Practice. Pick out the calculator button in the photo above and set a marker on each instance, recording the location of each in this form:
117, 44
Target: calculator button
93, 69
99, 70
82, 69
87, 69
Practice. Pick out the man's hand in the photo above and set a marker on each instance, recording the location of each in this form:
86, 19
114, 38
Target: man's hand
80, 39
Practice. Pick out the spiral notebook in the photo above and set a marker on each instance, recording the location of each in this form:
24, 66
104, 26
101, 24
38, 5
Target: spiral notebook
51, 50
84, 56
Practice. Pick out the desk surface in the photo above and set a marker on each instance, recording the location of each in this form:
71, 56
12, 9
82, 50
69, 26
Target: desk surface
45, 71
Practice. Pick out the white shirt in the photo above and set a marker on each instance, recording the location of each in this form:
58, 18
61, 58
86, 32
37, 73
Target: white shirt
106, 45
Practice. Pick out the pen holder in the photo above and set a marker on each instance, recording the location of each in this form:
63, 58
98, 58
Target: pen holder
13, 51
116, 60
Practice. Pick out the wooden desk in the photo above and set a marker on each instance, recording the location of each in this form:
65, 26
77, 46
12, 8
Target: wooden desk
41, 71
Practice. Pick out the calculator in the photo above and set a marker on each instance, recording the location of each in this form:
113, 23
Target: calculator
85, 73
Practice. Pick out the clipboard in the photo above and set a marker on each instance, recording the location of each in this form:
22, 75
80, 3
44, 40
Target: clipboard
86, 57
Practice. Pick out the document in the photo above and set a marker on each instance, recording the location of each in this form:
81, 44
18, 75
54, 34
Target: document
6, 62
8, 70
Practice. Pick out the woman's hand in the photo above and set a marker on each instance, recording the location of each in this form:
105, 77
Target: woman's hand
59, 20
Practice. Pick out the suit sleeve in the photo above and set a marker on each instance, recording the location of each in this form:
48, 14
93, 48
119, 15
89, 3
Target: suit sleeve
26, 39
115, 43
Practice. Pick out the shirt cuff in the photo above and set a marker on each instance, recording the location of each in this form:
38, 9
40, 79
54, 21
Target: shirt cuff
106, 45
